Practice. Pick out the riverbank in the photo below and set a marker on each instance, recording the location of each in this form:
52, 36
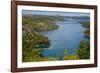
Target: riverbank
32, 38
86, 25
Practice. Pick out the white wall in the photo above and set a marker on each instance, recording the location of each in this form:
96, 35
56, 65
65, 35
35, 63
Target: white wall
5, 17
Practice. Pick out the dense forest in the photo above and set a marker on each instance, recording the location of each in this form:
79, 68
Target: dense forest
84, 46
33, 41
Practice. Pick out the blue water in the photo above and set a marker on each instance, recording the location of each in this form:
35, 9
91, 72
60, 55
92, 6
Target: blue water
66, 37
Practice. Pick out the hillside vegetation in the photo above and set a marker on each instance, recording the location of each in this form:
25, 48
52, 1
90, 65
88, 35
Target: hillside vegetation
33, 39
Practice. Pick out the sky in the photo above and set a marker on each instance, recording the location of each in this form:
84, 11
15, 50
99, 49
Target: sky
54, 13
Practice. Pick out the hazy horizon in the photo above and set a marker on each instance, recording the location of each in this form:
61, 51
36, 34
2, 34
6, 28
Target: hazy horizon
55, 13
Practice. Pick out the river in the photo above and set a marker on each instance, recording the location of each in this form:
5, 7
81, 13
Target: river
66, 37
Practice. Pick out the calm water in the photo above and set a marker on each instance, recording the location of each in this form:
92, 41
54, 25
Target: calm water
66, 37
